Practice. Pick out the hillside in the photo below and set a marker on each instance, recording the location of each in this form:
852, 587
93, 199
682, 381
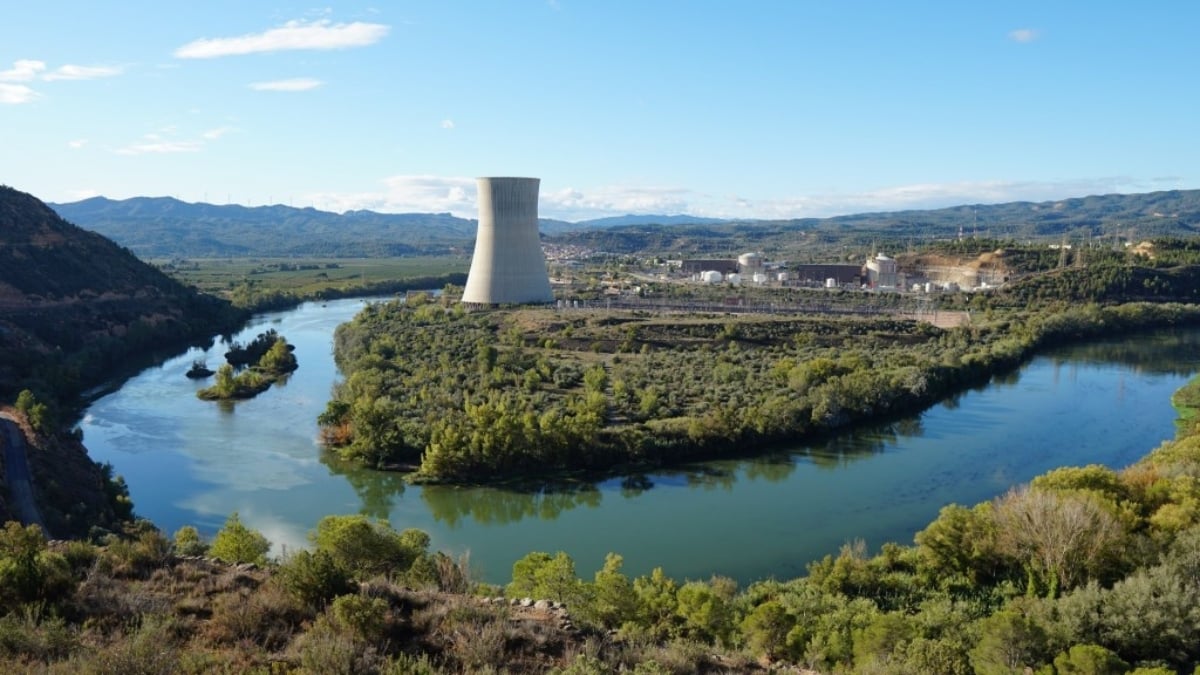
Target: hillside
73, 304
166, 227
1134, 216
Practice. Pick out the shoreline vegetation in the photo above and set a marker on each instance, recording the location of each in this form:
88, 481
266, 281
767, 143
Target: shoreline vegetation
523, 394
1084, 570
273, 359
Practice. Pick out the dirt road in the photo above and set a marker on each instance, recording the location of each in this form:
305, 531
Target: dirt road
20, 483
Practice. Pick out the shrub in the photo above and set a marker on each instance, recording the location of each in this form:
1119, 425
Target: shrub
188, 542
313, 578
236, 543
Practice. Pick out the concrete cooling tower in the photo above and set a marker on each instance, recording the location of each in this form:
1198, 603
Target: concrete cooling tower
508, 266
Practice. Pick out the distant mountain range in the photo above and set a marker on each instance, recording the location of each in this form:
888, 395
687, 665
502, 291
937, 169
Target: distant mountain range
166, 227
157, 227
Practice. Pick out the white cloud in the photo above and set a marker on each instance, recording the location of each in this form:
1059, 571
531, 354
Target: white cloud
77, 143
167, 141
23, 70
407, 194
1023, 35
73, 72
159, 147
214, 134
16, 93
447, 124
573, 204
294, 84
293, 35
457, 195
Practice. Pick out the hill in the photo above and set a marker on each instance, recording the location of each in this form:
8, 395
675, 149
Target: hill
166, 227
74, 304
1134, 216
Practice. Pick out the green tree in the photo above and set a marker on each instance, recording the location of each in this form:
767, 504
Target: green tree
236, 543
1089, 660
188, 541
365, 548
1008, 642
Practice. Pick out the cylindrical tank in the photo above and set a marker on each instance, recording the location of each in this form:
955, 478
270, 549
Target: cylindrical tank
749, 261
733, 278
782, 276
831, 283
711, 277
760, 278
508, 266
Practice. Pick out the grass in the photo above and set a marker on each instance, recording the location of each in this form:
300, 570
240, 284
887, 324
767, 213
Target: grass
303, 276
1187, 399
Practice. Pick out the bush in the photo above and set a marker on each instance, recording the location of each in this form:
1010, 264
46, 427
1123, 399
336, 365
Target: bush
188, 542
313, 578
236, 543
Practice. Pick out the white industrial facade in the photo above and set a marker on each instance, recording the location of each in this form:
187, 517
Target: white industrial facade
508, 266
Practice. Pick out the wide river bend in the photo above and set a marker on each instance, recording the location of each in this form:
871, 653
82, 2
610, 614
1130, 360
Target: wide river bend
189, 461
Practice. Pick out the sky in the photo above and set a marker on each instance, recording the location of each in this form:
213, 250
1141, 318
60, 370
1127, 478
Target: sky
760, 109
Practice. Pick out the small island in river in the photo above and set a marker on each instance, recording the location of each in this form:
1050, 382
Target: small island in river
275, 362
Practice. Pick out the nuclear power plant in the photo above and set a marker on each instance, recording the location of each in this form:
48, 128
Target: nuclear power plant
508, 266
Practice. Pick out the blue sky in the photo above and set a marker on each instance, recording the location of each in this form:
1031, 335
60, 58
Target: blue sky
730, 109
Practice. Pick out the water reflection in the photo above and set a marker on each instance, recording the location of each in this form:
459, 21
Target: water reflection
1158, 353
377, 490
493, 506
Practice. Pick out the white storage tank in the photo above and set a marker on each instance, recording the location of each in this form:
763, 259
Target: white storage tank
831, 283
710, 277
750, 261
760, 278
782, 276
734, 278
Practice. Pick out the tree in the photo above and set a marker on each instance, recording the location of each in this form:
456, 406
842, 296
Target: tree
1062, 539
1008, 642
236, 543
1089, 660
365, 548
188, 541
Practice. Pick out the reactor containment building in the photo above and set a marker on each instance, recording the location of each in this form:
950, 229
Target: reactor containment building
508, 267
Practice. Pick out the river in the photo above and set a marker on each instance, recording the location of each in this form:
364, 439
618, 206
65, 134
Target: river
188, 461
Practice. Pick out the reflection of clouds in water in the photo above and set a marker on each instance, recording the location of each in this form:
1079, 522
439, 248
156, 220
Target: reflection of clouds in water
121, 437
217, 505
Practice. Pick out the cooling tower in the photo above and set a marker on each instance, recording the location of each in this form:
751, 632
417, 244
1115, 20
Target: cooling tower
508, 266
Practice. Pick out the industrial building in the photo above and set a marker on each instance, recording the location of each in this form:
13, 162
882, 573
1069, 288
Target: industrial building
819, 274
696, 266
508, 266
883, 272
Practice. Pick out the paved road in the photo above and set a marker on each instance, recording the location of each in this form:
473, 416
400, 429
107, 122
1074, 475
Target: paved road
20, 484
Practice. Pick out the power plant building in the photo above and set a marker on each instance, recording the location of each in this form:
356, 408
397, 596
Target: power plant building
508, 266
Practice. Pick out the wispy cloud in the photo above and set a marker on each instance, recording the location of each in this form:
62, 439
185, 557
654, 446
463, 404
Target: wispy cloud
22, 70
1024, 35
214, 134
320, 34
447, 124
159, 147
166, 141
293, 84
575, 204
457, 195
404, 194
74, 72
13, 94
77, 143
